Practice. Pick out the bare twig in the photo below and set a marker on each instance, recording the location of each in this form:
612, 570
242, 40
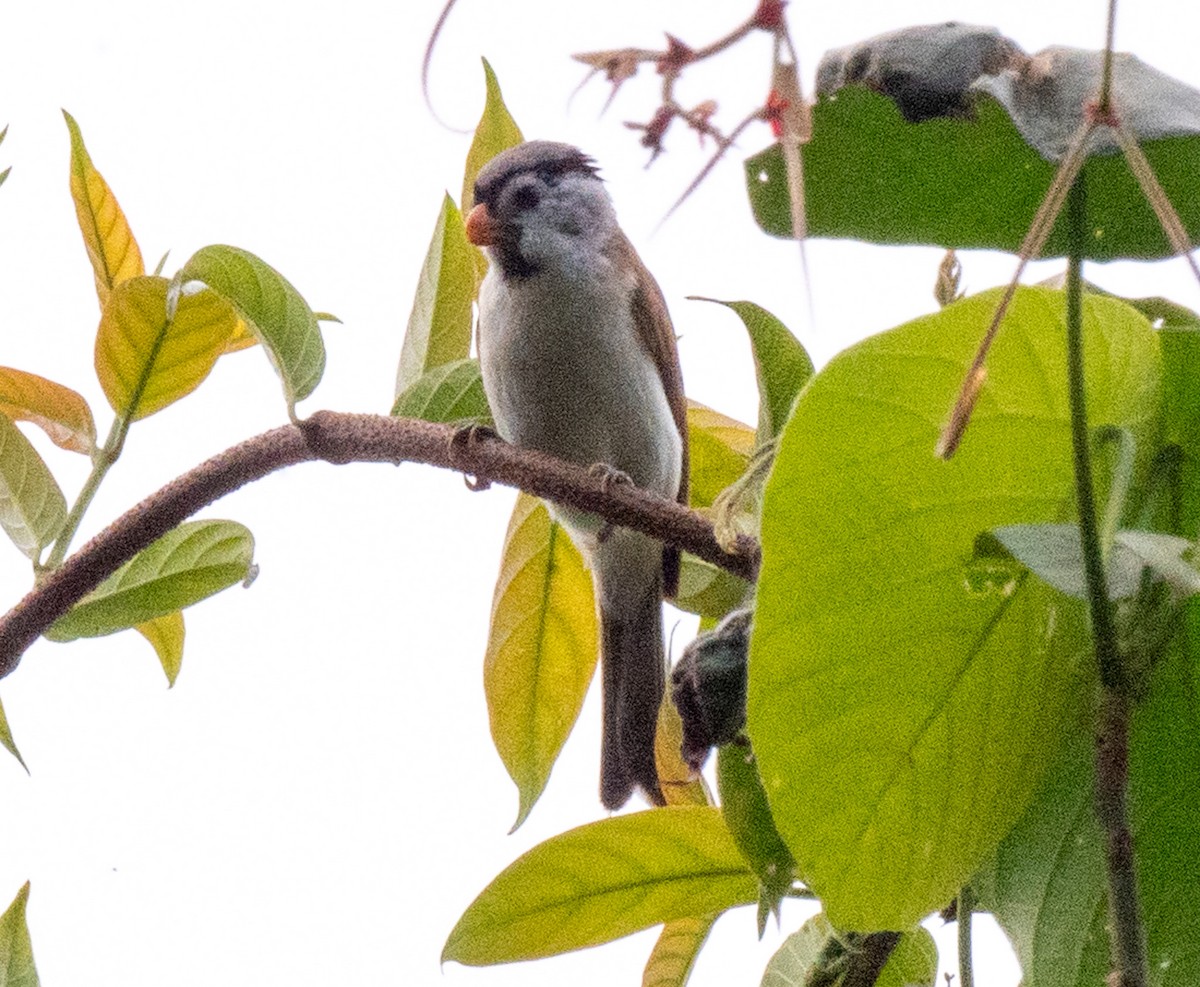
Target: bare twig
344, 438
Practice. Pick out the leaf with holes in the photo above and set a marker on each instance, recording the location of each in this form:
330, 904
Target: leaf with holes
922, 687
450, 393
146, 359
273, 309
602, 881
542, 648
32, 507
111, 248
183, 567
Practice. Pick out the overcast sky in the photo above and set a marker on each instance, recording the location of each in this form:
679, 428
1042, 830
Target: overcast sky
317, 800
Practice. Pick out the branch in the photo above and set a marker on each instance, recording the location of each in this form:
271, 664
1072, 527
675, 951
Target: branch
345, 438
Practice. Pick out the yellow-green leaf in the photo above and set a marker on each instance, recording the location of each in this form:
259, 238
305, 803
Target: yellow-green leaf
242, 339
497, 130
6, 739
708, 591
720, 449
16, 948
272, 308
542, 648
675, 953
32, 508
602, 881
165, 635
439, 327
60, 412
109, 241
145, 359
817, 951
184, 566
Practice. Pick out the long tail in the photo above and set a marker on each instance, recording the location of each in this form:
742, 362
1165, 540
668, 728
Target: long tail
633, 664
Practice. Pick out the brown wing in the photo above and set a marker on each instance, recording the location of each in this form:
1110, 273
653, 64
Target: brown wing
658, 336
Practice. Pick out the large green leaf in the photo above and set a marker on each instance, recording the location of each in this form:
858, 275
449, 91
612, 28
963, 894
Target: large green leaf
719, 449
452, 392
602, 881
817, 948
276, 312
16, 948
904, 706
184, 566
542, 648
439, 327
148, 357
1047, 882
870, 175
32, 507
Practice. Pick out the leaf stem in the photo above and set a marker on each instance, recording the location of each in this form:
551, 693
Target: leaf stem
966, 906
101, 463
1127, 931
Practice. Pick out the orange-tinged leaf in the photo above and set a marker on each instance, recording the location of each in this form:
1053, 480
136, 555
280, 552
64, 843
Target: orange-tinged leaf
242, 338
165, 635
542, 648
675, 953
145, 360
109, 241
679, 786
59, 411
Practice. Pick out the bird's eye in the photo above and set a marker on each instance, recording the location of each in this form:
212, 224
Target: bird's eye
525, 197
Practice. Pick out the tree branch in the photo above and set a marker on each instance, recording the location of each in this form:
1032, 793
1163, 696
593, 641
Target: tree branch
345, 438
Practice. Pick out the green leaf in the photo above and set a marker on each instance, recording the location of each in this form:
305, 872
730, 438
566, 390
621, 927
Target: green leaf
602, 881
16, 948
781, 364
450, 393
109, 241
275, 311
542, 648
147, 359
707, 590
1054, 553
496, 131
675, 953
891, 686
166, 634
1046, 884
961, 183
32, 508
439, 327
6, 738
183, 567
813, 952
748, 816
719, 448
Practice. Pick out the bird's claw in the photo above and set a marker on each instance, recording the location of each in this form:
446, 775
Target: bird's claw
609, 477
462, 441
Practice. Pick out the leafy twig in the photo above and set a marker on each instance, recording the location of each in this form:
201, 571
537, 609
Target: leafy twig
343, 438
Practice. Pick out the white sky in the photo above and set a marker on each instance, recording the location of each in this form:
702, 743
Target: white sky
318, 799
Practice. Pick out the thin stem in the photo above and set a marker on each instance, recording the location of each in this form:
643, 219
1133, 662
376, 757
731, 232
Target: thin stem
1127, 931
101, 464
1103, 627
1104, 102
966, 906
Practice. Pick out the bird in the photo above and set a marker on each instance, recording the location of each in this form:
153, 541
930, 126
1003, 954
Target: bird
579, 360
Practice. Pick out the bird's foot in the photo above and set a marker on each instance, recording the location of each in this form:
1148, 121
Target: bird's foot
463, 441
609, 477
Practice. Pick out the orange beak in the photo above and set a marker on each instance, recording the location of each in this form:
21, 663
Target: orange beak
481, 230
